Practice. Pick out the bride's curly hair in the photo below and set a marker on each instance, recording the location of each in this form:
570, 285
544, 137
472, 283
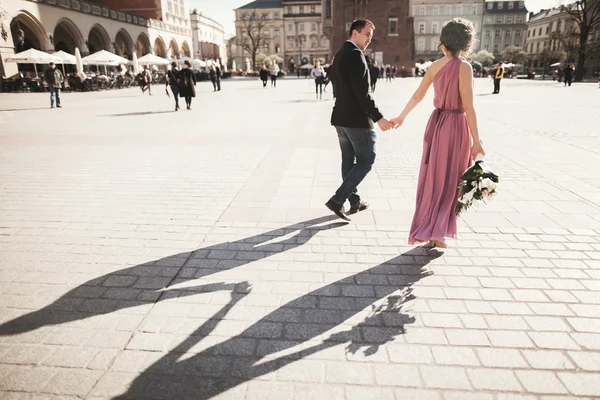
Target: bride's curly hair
458, 36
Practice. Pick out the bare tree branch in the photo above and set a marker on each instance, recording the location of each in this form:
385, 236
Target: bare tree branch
254, 33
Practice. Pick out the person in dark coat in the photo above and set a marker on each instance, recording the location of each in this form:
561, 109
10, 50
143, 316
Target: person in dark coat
374, 71
187, 83
569, 72
173, 82
54, 78
264, 75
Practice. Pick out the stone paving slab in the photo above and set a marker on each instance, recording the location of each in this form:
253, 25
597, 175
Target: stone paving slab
152, 254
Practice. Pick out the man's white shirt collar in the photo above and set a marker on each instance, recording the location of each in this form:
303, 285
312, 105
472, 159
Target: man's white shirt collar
353, 43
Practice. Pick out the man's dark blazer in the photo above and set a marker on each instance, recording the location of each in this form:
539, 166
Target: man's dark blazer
354, 107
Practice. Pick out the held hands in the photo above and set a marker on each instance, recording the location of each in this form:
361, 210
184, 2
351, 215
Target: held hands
384, 124
398, 121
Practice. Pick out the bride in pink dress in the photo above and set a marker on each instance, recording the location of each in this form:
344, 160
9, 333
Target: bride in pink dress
451, 138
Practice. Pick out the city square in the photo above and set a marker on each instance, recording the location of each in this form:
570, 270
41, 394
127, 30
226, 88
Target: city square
147, 253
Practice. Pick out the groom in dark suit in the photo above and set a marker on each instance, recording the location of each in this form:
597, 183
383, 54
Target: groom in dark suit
354, 114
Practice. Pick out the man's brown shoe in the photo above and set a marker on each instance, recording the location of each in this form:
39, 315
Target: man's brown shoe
338, 209
363, 205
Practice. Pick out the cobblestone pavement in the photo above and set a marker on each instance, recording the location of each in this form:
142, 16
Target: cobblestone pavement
152, 254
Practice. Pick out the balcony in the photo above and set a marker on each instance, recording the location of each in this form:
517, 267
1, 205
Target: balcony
314, 15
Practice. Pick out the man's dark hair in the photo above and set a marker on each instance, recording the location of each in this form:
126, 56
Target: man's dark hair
359, 25
51, 63
174, 64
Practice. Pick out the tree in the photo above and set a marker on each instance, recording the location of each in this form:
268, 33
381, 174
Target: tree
254, 34
578, 39
483, 57
548, 56
514, 54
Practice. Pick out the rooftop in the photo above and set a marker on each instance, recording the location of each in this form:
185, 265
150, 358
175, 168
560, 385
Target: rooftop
260, 4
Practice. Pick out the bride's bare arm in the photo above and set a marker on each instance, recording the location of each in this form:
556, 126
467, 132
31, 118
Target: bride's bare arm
418, 96
465, 87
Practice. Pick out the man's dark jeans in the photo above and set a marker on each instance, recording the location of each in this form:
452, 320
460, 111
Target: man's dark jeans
175, 90
54, 96
356, 144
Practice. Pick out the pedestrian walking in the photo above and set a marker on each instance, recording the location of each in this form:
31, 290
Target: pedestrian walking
173, 82
374, 71
273, 71
212, 73
146, 81
498, 75
318, 73
451, 137
54, 78
569, 72
264, 75
353, 115
187, 83
388, 73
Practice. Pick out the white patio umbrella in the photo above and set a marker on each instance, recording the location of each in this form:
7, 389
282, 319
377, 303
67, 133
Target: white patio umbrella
556, 64
66, 59
151, 59
33, 56
78, 61
136, 65
233, 65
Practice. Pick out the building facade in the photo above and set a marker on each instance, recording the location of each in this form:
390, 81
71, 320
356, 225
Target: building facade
50, 25
431, 15
304, 38
504, 25
393, 38
208, 38
542, 30
270, 14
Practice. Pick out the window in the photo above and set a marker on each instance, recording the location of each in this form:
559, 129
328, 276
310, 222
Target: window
499, 20
521, 5
509, 19
518, 32
497, 33
558, 25
348, 25
508, 32
490, 5
506, 45
434, 44
313, 42
313, 27
510, 5
467, 9
393, 26
301, 27
500, 5
533, 33
519, 20
301, 9
265, 16
276, 31
538, 47
421, 44
436, 10
435, 28
422, 10
540, 32
448, 10
421, 28
291, 43
547, 30
290, 11
486, 46
474, 9
275, 15
313, 10
290, 27
170, 7
489, 20
488, 33
459, 9
496, 48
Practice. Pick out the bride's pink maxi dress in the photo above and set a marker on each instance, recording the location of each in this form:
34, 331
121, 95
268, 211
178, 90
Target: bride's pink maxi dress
446, 156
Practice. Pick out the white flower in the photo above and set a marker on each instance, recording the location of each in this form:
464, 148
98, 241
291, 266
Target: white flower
486, 183
468, 197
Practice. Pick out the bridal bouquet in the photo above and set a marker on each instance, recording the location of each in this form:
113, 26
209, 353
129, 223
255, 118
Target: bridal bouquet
478, 183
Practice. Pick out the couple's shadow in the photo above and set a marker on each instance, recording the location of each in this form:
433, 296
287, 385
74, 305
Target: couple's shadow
382, 290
